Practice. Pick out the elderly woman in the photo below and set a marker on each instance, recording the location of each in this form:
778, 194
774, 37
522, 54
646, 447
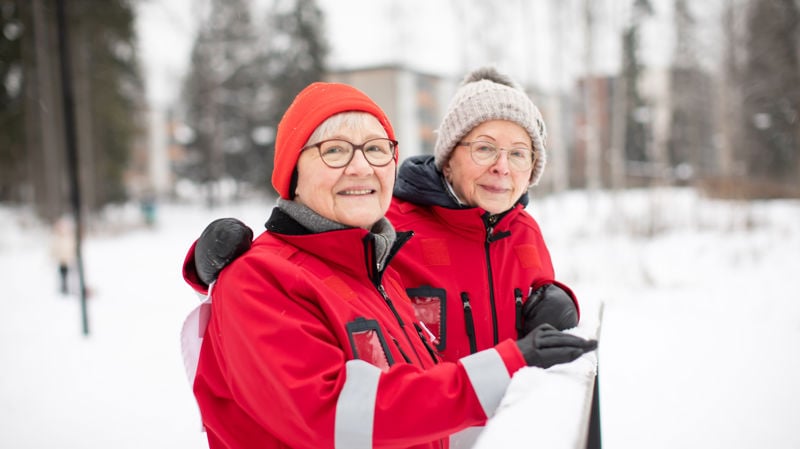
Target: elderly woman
478, 269
312, 341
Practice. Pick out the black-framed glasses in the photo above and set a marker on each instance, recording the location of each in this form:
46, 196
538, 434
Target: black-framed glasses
487, 153
337, 153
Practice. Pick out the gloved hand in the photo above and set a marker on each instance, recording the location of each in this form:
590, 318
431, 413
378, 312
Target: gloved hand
546, 346
549, 304
222, 241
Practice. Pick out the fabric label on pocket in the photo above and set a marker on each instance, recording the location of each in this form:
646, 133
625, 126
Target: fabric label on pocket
368, 343
430, 308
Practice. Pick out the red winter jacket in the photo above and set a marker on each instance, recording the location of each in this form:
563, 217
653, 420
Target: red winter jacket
467, 273
310, 345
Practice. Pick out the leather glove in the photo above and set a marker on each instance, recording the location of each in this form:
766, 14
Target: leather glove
546, 346
549, 304
222, 241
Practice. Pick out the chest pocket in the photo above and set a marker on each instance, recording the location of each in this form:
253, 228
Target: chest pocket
368, 343
430, 308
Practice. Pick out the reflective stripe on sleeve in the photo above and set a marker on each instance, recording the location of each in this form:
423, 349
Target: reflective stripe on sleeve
489, 378
355, 409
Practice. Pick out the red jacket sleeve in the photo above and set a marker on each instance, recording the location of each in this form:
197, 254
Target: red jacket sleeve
190, 273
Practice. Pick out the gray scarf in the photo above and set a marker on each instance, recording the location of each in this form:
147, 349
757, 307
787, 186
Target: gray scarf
383, 231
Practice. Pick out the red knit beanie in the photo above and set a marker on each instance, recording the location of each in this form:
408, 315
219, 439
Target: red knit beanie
312, 106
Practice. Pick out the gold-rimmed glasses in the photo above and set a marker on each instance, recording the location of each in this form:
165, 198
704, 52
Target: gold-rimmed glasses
487, 153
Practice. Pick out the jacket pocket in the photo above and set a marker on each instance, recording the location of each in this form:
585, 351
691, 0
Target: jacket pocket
430, 307
368, 343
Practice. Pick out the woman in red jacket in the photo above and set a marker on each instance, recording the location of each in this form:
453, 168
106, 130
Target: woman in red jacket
478, 265
311, 340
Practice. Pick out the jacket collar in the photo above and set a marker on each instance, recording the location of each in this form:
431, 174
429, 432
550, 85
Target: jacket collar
344, 246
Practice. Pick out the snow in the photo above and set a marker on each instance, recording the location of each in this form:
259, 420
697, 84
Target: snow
700, 341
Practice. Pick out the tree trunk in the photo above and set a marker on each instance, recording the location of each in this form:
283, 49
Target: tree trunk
45, 166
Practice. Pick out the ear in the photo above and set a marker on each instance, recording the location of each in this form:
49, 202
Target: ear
533, 166
447, 171
293, 184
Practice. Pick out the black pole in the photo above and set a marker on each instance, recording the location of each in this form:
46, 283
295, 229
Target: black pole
594, 440
72, 151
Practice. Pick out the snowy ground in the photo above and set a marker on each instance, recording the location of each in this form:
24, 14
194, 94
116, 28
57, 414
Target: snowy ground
700, 344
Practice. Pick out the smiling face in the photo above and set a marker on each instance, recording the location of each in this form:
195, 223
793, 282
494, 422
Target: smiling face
496, 187
357, 194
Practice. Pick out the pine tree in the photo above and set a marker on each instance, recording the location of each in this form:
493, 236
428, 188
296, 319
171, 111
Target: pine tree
107, 90
110, 90
241, 81
219, 94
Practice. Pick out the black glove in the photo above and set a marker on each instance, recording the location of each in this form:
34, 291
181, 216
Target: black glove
222, 241
546, 346
549, 304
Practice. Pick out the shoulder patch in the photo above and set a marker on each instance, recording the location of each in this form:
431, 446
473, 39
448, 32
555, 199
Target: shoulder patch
341, 288
435, 252
528, 256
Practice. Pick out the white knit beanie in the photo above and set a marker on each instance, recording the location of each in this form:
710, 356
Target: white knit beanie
485, 94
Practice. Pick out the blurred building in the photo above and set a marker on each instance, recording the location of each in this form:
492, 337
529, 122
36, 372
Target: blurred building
413, 101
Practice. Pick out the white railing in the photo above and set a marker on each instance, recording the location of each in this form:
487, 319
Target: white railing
549, 408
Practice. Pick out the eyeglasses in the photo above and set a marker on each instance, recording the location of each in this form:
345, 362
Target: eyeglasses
337, 153
485, 153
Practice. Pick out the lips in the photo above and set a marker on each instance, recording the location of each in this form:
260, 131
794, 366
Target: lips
357, 192
496, 189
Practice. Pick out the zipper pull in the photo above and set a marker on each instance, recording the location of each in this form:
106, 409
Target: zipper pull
388, 302
426, 342
518, 303
469, 323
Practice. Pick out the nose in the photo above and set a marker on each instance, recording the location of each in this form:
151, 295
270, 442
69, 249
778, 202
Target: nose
500, 165
358, 164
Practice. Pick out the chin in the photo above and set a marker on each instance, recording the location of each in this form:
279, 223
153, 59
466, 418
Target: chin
362, 221
495, 207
